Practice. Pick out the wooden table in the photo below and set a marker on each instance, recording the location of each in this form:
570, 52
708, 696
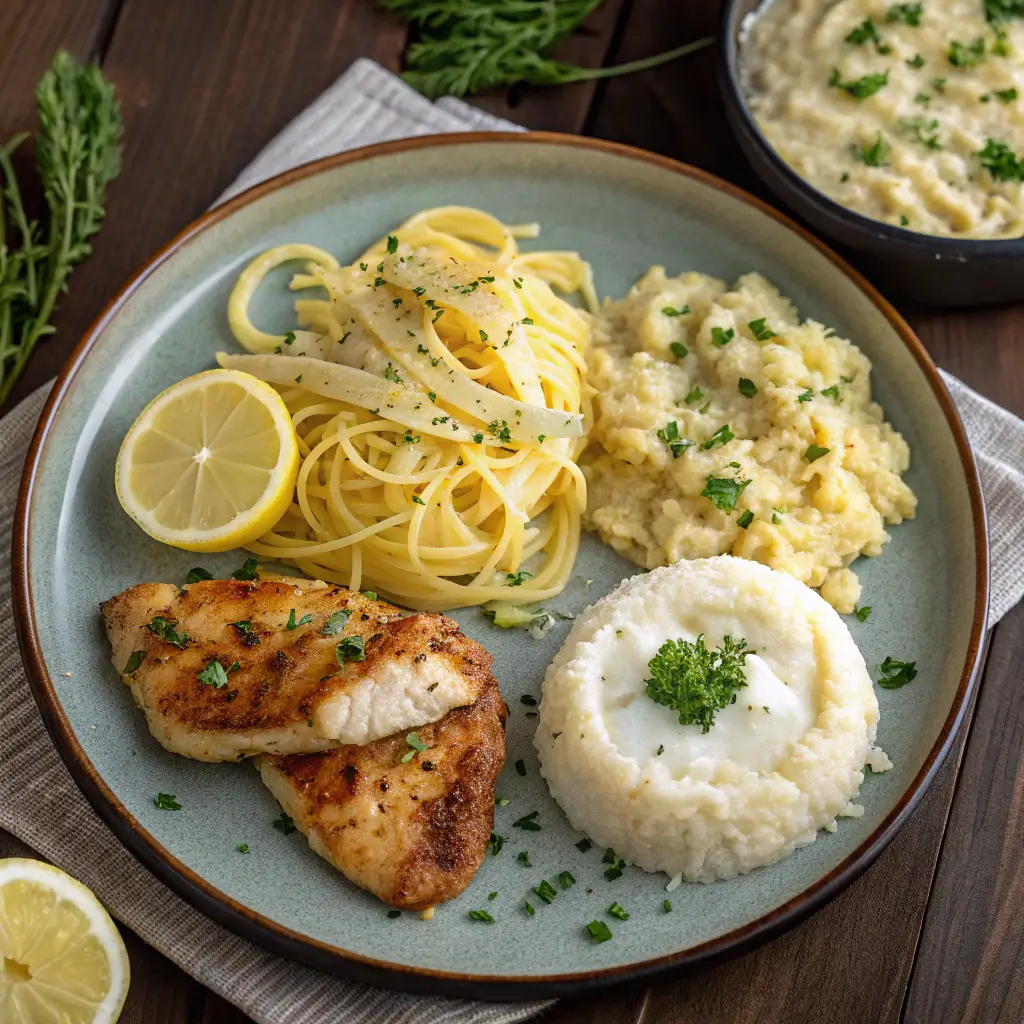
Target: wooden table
934, 932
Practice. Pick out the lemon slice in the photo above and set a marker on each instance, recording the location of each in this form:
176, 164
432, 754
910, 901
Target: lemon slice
210, 463
62, 960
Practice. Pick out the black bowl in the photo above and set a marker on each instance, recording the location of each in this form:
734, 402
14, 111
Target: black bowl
928, 269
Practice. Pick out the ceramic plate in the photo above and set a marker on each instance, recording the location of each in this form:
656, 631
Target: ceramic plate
624, 210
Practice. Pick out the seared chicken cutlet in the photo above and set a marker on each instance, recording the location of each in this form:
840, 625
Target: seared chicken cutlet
225, 669
412, 832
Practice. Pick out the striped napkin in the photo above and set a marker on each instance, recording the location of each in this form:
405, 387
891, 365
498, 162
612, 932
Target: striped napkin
39, 802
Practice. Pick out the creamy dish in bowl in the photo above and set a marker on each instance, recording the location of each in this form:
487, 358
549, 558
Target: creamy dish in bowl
908, 113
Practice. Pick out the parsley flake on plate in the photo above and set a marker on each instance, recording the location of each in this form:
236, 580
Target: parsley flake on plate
546, 891
523, 857
244, 848
859, 88
896, 673
566, 879
723, 435
721, 337
917, 61
214, 675
745, 519
909, 14
352, 648
724, 492
167, 802
248, 571
417, 747
966, 55
599, 931
694, 396
669, 435
392, 244
480, 915
198, 574
528, 822
496, 842
875, 155
336, 622
697, 682
815, 452
746, 387
667, 906
284, 824
618, 865
617, 910
806, 396
862, 613
584, 845
517, 579
529, 909
293, 624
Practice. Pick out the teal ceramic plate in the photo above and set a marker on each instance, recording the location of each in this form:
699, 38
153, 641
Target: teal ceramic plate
624, 210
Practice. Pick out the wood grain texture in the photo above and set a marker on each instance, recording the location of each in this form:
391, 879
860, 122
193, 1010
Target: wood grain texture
970, 967
203, 87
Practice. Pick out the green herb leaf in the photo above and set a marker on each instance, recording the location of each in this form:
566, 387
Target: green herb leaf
167, 802
393, 915
480, 915
672, 311
529, 910
617, 910
815, 452
546, 891
747, 388
566, 879
247, 634
999, 160
694, 396
721, 337
284, 824
909, 14
392, 244
517, 579
599, 931
862, 613
1005, 95
760, 330
669, 434
292, 624
859, 88
806, 396
667, 906
618, 865
521, 767
917, 61
723, 492
745, 519
722, 436
336, 622
248, 570
583, 845
896, 673
418, 746
137, 658
962, 55
679, 350
496, 842
197, 575
352, 648
214, 675
922, 129
866, 32
528, 822
244, 848
164, 628
522, 857
875, 155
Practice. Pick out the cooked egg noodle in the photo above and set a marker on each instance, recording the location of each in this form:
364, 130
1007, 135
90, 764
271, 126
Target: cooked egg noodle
439, 411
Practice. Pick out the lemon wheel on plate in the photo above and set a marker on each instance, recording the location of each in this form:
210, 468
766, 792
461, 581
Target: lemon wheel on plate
210, 463
61, 956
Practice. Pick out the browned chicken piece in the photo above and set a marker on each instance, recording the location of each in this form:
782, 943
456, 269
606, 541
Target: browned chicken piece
411, 832
225, 669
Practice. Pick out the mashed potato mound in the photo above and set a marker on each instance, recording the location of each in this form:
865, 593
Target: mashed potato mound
780, 763
823, 465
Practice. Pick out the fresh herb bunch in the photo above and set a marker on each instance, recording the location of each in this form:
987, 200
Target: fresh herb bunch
696, 682
998, 11
466, 46
78, 153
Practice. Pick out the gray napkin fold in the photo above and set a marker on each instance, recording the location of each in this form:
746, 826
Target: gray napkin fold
39, 802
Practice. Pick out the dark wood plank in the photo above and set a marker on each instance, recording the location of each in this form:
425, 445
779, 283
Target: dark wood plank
203, 87
971, 962
564, 109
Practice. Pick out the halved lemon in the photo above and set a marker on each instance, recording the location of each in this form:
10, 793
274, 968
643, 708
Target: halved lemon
210, 464
61, 957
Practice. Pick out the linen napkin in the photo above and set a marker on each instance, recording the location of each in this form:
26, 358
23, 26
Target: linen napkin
40, 803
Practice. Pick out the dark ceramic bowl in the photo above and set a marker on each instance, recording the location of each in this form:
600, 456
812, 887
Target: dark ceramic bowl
932, 270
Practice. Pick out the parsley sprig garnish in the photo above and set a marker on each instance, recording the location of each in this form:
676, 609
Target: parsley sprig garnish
896, 673
466, 46
859, 88
697, 682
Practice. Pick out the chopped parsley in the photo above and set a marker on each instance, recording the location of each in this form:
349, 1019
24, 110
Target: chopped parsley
411, 439
392, 244
1005, 95
875, 155
390, 373
214, 675
617, 910
832, 392
696, 682
922, 129
672, 311
896, 673
909, 14
478, 438
417, 500
859, 88
669, 435
502, 801
528, 699
137, 658
480, 915
521, 767
566, 879
247, 634
917, 61
284, 824
540, 438
417, 746
352, 648
336, 622
197, 575
528, 822
244, 848
500, 430
723, 435
546, 891
484, 336
529, 909
723, 493
746, 387
618, 865
292, 624
745, 519
1001, 162
517, 281
806, 396
362, 266
419, 291
522, 857
679, 350
939, 84
777, 514
862, 613
496, 842
660, 750
721, 337
866, 32
599, 931
164, 628
517, 579
371, 594
760, 330
167, 802
438, 420
248, 571
966, 55
394, 915
584, 845
289, 338
815, 452
694, 396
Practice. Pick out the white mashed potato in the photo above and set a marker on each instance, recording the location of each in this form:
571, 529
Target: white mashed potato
777, 765
910, 113
807, 468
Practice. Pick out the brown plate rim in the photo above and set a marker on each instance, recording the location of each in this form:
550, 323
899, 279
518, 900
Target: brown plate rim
287, 942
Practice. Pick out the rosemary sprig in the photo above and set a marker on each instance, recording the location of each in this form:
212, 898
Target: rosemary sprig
466, 46
78, 153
